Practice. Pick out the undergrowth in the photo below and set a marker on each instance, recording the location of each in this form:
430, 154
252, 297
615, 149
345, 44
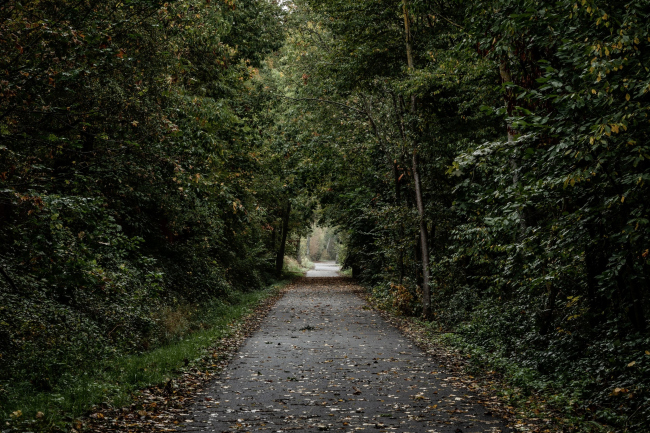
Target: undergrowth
532, 394
567, 392
111, 382
295, 269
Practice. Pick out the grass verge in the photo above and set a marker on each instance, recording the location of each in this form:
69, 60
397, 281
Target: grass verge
346, 272
530, 403
294, 269
112, 383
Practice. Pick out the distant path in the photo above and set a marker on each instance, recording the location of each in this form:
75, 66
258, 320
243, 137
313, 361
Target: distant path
324, 269
324, 361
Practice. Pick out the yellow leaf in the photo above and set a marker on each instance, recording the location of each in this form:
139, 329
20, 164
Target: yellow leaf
593, 91
627, 96
632, 364
17, 414
647, 352
622, 199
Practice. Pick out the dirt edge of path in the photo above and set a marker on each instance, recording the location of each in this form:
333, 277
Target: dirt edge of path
161, 408
484, 386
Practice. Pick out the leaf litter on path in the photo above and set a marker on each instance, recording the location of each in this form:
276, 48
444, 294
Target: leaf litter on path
484, 389
324, 361
164, 407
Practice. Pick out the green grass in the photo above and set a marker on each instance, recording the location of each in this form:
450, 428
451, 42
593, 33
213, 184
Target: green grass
112, 382
294, 269
346, 272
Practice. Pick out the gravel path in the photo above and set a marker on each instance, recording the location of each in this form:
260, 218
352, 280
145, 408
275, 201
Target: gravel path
324, 361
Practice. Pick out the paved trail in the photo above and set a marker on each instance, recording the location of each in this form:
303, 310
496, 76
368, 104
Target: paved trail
324, 269
324, 361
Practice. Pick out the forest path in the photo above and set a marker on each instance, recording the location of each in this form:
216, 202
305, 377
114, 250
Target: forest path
324, 269
324, 361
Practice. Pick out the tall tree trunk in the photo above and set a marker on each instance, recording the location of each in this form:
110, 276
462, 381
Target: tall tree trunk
506, 77
424, 242
398, 199
298, 251
426, 291
279, 260
308, 250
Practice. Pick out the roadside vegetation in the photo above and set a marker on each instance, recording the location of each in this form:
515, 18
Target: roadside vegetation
486, 163
482, 164
143, 205
112, 382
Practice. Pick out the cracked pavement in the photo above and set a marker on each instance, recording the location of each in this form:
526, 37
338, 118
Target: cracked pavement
325, 361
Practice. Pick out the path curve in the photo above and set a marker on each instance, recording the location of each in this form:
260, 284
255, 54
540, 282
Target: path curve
324, 361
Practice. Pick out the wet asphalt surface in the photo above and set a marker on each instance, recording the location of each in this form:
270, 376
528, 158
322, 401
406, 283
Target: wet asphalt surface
324, 361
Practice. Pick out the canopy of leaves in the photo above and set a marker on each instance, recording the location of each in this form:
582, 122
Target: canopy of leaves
158, 153
130, 174
530, 120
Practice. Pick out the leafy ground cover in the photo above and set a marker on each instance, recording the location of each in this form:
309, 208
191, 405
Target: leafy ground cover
518, 393
118, 382
487, 163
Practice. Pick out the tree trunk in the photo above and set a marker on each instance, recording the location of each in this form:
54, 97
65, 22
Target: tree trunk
506, 77
426, 292
279, 260
398, 199
298, 251
424, 242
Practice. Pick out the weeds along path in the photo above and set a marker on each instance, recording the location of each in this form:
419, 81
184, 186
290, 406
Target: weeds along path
323, 360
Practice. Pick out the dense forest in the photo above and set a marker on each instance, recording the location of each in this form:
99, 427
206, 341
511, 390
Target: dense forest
484, 164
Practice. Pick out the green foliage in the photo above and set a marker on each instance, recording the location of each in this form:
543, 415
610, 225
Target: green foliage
293, 268
530, 120
113, 381
155, 154
129, 142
